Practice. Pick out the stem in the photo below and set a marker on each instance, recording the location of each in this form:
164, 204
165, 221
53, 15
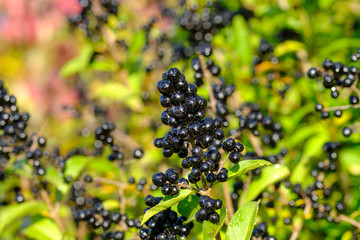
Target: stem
349, 220
109, 181
189, 187
256, 145
355, 106
212, 100
228, 201
53, 211
296, 231
203, 182
246, 188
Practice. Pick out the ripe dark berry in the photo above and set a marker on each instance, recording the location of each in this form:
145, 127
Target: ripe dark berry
222, 177
338, 113
172, 176
318, 107
313, 73
229, 145
353, 99
234, 157
347, 132
138, 153
214, 218
340, 207
206, 51
159, 179
166, 189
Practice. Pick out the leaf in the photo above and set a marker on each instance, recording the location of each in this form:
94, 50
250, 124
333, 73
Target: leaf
287, 47
14, 212
111, 204
79, 63
269, 175
242, 224
44, 229
166, 203
210, 230
54, 177
189, 206
74, 165
350, 160
246, 166
112, 90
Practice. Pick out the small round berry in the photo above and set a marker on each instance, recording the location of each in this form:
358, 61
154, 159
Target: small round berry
353, 99
206, 51
318, 107
214, 218
347, 132
159, 179
234, 157
229, 144
313, 73
338, 113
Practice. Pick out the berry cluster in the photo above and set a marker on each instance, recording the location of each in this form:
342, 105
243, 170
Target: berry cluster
90, 22
185, 114
337, 76
207, 210
266, 67
97, 217
167, 182
261, 232
165, 225
250, 118
13, 138
317, 192
203, 25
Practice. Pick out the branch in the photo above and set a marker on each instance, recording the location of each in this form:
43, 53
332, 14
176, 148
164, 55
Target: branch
344, 107
53, 211
349, 220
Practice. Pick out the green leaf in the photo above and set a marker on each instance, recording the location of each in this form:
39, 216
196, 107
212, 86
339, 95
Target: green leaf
44, 229
242, 224
14, 212
54, 177
269, 175
287, 47
78, 64
166, 203
113, 90
74, 165
188, 207
350, 160
111, 204
211, 230
246, 166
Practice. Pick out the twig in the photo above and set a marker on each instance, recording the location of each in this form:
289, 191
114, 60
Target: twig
228, 201
355, 106
256, 145
188, 187
53, 212
246, 188
109, 181
125, 139
296, 231
349, 220
212, 100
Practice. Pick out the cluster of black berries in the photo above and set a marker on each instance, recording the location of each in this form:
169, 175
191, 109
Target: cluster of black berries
91, 23
103, 137
261, 232
167, 181
336, 76
186, 115
317, 192
165, 225
267, 68
221, 90
205, 24
250, 118
207, 210
214, 69
97, 217
13, 138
